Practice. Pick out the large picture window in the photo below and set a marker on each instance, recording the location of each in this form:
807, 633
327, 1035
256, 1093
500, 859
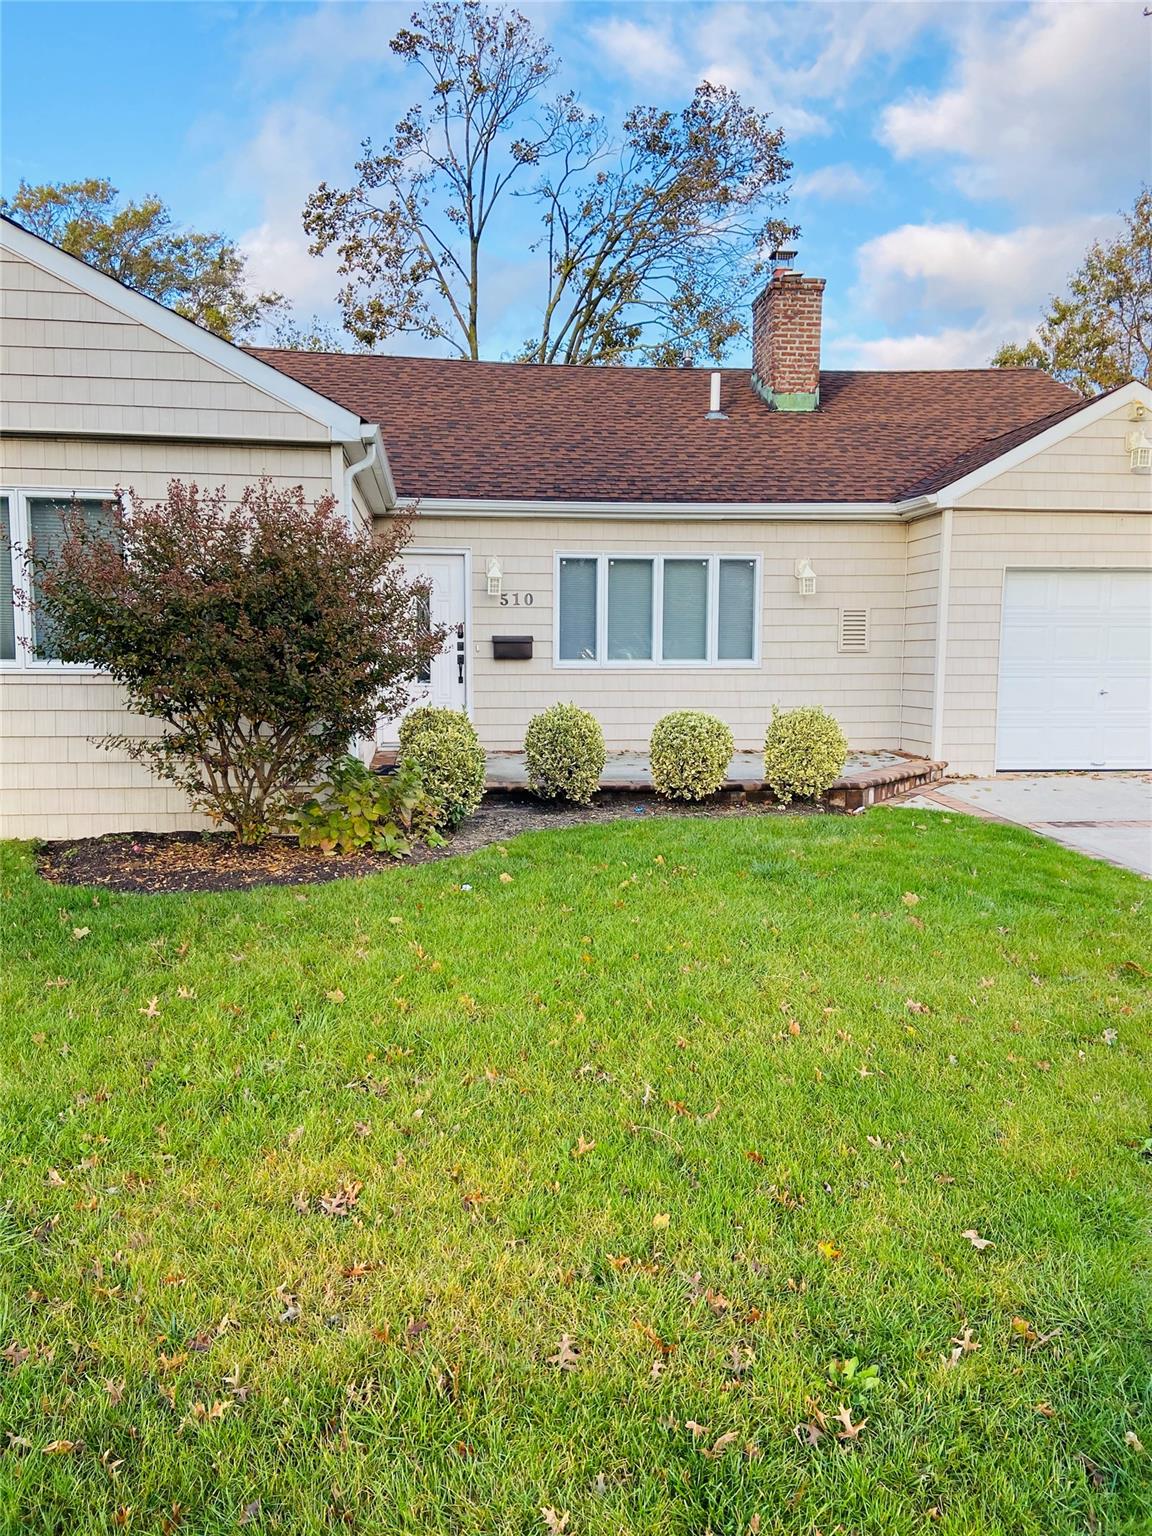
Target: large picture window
35, 518
657, 610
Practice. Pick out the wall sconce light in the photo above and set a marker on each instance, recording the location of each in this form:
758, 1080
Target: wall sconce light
1139, 447
805, 578
494, 572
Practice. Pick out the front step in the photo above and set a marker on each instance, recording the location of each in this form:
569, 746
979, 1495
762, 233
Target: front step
872, 786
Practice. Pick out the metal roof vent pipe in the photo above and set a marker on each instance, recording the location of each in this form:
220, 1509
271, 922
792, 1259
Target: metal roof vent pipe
714, 411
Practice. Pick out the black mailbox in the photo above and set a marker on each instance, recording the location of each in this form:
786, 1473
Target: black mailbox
512, 647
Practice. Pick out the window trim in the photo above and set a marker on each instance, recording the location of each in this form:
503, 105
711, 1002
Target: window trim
711, 663
25, 660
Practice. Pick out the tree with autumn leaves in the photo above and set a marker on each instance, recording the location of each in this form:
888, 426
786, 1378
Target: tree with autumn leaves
651, 237
261, 637
1099, 334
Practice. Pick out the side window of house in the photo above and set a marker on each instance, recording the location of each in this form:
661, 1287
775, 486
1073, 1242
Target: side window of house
27, 519
656, 610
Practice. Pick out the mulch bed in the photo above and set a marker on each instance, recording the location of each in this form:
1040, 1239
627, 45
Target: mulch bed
193, 861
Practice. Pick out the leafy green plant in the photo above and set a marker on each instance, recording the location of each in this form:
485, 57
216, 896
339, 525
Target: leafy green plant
804, 753
357, 809
851, 1379
689, 753
444, 749
564, 754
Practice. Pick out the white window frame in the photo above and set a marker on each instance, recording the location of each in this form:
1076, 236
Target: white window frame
18, 498
711, 662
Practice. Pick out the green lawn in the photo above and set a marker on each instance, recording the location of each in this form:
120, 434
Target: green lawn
716, 1100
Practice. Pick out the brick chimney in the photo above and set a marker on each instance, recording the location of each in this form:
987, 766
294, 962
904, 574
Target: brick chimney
786, 339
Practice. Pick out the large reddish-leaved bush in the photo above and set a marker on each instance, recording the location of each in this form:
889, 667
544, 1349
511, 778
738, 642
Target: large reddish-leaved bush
264, 635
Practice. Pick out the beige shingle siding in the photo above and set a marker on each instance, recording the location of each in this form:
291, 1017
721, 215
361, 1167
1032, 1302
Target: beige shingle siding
984, 545
71, 364
147, 467
922, 588
857, 565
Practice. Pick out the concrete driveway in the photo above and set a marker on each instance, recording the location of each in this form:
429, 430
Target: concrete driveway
1105, 815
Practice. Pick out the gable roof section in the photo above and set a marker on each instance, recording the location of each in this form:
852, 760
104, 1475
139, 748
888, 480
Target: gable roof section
344, 425
972, 470
509, 432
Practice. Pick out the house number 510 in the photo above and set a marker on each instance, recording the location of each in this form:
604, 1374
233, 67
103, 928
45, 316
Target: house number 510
517, 599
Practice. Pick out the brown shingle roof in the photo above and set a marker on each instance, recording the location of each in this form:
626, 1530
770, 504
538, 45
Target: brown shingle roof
508, 431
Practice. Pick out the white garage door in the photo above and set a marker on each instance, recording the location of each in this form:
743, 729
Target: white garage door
1076, 670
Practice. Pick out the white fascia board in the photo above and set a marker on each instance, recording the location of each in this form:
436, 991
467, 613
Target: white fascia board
378, 485
343, 425
1094, 411
649, 511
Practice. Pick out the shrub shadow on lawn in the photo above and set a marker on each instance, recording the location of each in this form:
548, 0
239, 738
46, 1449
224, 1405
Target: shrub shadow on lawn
158, 862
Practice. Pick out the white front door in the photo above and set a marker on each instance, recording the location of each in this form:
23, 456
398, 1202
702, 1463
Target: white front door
444, 681
1075, 670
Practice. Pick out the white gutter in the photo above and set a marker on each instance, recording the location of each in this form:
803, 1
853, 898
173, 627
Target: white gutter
940, 663
836, 511
374, 459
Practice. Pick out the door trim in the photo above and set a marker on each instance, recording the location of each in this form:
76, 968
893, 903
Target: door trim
470, 656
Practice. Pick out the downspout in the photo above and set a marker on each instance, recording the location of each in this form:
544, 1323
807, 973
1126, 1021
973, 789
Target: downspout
354, 471
940, 669
363, 747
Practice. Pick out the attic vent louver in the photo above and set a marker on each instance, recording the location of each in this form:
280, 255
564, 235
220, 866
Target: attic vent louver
853, 629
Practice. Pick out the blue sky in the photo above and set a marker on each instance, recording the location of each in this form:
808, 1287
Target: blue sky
952, 161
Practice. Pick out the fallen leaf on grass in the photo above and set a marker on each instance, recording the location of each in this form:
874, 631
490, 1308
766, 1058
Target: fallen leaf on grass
718, 1447
60, 1447
250, 1512
1132, 1441
660, 1222
850, 1431
81, 933
910, 898
343, 1200
555, 1521
152, 1011
335, 996
567, 1356
582, 1147
829, 1251
506, 879
976, 1240
963, 1344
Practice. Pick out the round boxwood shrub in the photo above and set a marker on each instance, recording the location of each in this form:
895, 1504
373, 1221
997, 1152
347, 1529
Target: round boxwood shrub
564, 753
444, 749
689, 752
804, 753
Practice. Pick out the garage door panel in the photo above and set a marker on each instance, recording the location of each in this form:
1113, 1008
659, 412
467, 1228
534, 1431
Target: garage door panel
1075, 670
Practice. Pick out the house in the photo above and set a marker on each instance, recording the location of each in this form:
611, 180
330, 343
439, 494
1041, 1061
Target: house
957, 564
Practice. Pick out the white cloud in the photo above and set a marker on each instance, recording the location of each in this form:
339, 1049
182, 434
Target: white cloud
294, 148
834, 183
641, 52
1049, 108
949, 294
795, 62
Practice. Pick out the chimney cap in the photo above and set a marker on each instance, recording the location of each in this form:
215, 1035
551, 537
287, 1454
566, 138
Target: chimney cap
782, 256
